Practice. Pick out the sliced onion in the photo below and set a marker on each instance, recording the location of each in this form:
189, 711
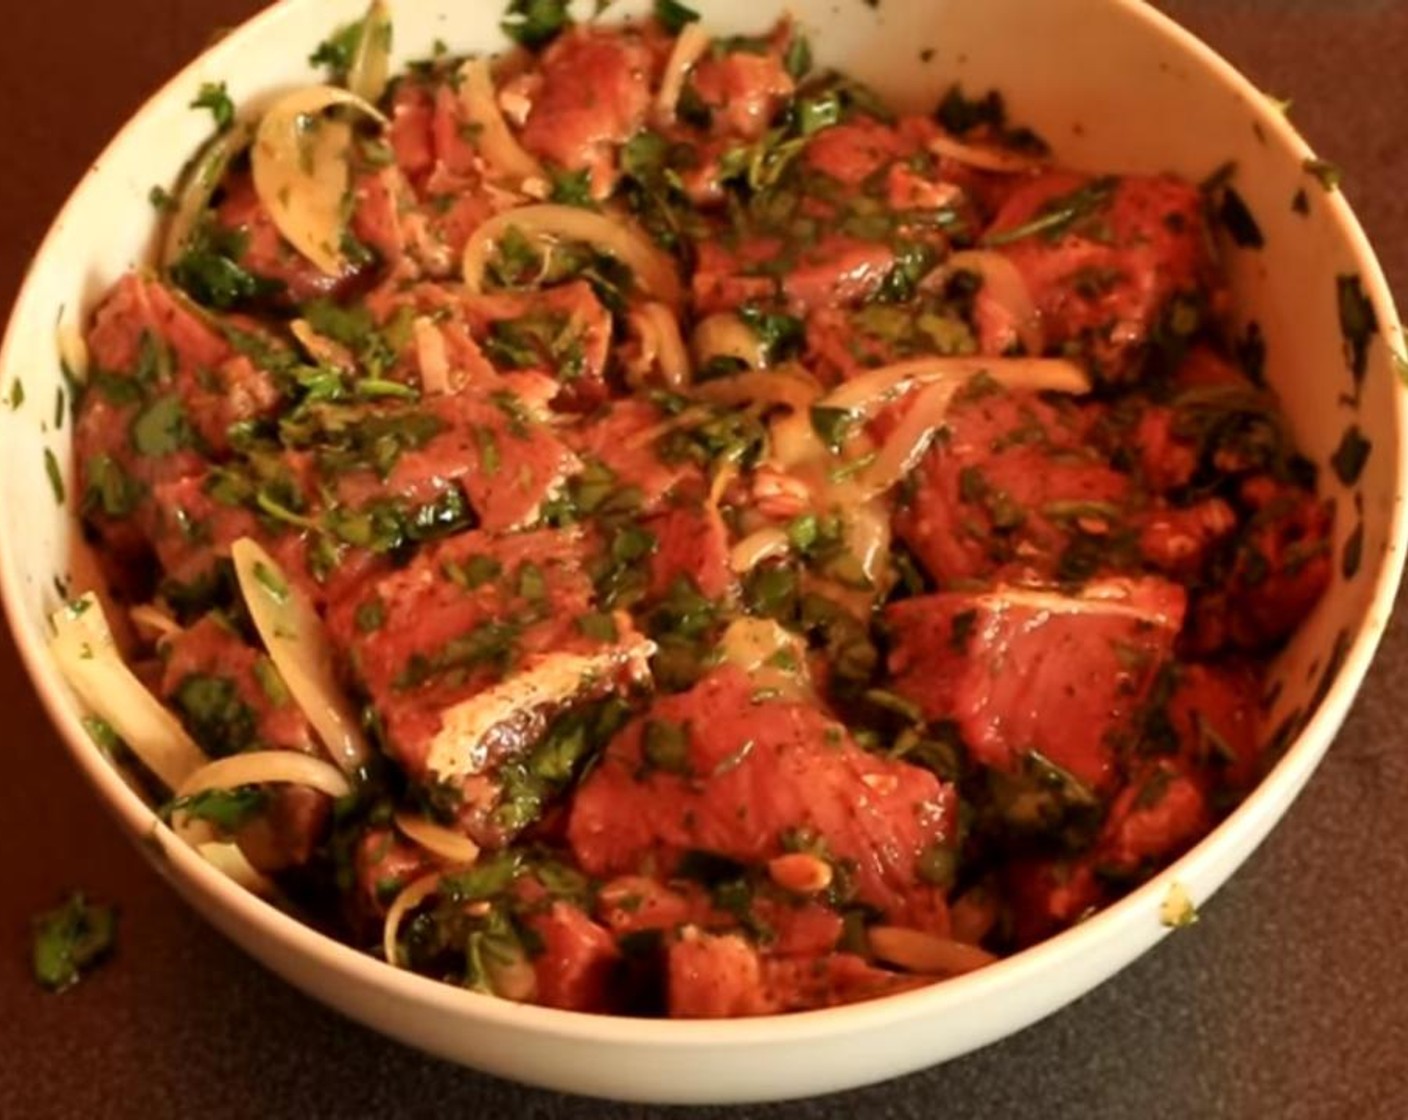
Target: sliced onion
754, 645
871, 391
322, 350
431, 357
908, 442
73, 351
439, 841
409, 898
495, 141
88, 657
925, 953
866, 529
228, 859
371, 65
1001, 160
661, 347
725, 335
299, 646
153, 623
303, 180
692, 42
752, 550
646, 436
654, 270
257, 768
458, 749
793, 389
1005, 285
198, 186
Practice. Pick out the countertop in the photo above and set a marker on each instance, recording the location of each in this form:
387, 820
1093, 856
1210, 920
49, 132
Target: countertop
1289, 998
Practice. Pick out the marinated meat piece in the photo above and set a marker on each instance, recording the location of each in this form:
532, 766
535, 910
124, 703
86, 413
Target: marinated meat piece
1214, 715
852, 152
596, 88
1159, 814
498, 644
727, 769
563, 331
742, 90
1110, 257
411, 133
263, 252
575, 963
1281, 566
229, 695
691, 544
1047, 895
383, 866
1020, 670
1015, 487
723, 976
506, 463
622, 438
231, 699
1178, 541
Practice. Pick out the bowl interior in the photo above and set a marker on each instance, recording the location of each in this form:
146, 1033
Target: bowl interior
1124, 92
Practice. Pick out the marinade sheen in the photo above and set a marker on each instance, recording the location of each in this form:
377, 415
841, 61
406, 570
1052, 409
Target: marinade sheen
638, 525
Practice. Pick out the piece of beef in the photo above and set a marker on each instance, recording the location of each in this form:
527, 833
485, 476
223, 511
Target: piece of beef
1022, 670
728, 769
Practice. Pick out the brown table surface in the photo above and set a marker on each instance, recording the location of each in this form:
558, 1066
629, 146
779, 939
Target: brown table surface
1289, 998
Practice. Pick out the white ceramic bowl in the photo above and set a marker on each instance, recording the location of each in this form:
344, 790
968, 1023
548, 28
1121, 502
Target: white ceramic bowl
1114, 86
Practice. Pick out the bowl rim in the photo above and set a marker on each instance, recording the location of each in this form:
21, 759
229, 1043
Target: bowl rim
1010, 973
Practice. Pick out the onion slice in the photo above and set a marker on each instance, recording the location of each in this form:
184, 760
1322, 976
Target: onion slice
299, 646
302, 173
436, 839
725, 335
985, 158
409, 898
494, 139
926, 953
371, 65
693, 41
794, 390
1004, 284
871, 391
257, 768
757, 547
908, 442
88, 657
661, 347
654, 270
198, 185
227, 858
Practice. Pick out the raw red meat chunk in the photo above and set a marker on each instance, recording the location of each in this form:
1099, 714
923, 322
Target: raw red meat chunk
729, 770
1103, 277
1022, 670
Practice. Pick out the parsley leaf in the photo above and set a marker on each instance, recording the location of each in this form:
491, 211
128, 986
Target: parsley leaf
215, 97
535, 23
674, 16
69, 940
1328, 174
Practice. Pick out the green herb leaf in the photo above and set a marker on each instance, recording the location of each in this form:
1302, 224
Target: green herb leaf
1328, 174
1358, 324
56, 476
215, 97
70, 940
535, 23
226, 809
674, 16
161, 428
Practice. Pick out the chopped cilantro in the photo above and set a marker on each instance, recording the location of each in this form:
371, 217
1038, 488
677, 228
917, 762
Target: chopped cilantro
215, 97
215, 714
56, 477
573, 188
535, 23
161, 428
674, 16
665, 745
70, 940
226, 809
1328, 174
1358, 323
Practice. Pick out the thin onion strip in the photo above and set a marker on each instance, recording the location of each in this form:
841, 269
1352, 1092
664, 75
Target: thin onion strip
299, 646
1001, 160
654, 271
87, 655
796, 391
495, 141
925, 953
904, 449
871, 391
257, 768
1004, 284
198, 185
660, 339
693, 41
229, 860
409, 898
725, 335
441, 842
371, 65
754, 549
302, 174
